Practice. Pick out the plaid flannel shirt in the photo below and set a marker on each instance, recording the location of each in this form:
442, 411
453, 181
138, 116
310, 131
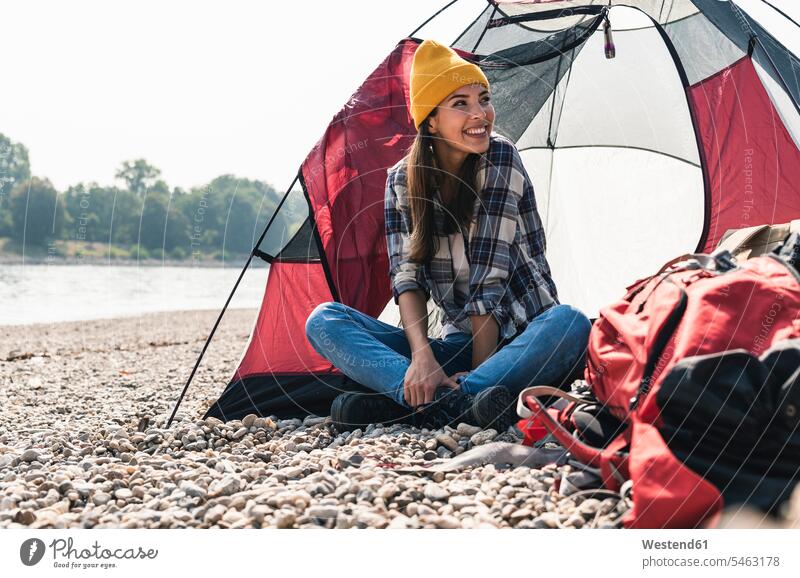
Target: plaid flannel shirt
509, 276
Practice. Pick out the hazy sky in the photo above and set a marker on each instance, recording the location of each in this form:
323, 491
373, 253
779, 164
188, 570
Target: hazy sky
203, 88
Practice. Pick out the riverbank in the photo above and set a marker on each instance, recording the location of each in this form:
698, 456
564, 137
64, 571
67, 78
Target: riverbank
54, 293
82, 444
125, 262
61, 261
96, 253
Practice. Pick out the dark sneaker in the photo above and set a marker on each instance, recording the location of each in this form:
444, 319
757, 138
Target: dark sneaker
495, 407
449, 407
351, 411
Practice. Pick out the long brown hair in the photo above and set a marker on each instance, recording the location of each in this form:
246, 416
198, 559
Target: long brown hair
422, 176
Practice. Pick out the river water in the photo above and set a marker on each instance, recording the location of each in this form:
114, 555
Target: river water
46, 293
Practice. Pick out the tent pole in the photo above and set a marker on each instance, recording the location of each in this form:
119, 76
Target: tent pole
757, 38
417, 29
778, 72
470, 25
782, 13
227, 302
485, 28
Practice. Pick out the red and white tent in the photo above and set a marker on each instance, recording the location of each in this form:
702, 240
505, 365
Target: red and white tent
690, 130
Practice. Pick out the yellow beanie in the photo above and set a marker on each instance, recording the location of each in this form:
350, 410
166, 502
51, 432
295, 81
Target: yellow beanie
436, 71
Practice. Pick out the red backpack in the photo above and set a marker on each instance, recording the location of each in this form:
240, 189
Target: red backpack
703, 304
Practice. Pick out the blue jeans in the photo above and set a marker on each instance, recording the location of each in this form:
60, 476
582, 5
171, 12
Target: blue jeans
377, 355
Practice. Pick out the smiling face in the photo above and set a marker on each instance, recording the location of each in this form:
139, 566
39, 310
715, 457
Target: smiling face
463, 121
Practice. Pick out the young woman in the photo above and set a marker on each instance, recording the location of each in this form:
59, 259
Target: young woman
461, 227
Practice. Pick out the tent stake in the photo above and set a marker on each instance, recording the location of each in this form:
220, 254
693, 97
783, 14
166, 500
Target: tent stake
227, 302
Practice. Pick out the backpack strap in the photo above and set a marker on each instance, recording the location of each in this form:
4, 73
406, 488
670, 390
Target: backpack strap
739, 238
720, 260
542, 390
612, 460
529, 406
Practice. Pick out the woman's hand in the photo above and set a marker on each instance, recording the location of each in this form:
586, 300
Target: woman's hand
455, 376
422, 378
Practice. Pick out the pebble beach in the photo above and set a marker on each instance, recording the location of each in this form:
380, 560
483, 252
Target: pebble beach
83, 445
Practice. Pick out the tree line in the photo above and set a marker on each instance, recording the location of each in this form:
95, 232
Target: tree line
221, 219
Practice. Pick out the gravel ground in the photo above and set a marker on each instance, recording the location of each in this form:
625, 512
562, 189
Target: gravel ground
82, 444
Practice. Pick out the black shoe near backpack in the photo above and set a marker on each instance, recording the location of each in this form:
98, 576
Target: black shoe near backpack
493, 407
